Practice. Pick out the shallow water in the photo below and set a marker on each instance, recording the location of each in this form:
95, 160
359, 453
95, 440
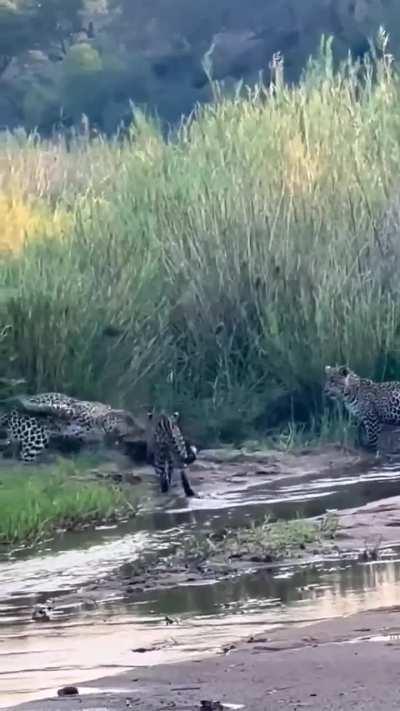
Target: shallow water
85, 642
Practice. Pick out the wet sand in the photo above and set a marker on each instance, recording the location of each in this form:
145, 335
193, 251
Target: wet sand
334, 665
374, 525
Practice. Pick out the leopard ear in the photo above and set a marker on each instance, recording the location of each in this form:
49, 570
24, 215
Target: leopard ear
343, 371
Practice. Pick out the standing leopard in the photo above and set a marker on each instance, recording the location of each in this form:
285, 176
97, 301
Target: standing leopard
168, 449
372, 404
32, 422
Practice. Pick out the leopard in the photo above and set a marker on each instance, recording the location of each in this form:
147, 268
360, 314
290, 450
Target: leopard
168, 450
31, 423
372, 404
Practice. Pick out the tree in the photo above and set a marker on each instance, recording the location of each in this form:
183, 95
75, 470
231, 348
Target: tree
15, 32
56, 19
29, 24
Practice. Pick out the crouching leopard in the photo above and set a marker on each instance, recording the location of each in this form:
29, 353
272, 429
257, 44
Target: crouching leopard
169, 450
372, 404
32, 422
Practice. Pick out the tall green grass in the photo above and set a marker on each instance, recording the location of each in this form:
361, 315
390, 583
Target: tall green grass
219, 270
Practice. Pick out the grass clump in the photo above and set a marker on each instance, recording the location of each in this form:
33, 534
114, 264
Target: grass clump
34, 504
266, 542
218, 271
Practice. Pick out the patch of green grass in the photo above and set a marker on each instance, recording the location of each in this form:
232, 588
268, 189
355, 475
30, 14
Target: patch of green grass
35, 503
266, 542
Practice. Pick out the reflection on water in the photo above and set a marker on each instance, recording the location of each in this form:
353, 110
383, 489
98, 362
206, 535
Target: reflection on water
37, 658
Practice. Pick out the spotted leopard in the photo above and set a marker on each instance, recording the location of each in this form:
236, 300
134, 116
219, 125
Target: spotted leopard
32, 422
372, 404
168, 450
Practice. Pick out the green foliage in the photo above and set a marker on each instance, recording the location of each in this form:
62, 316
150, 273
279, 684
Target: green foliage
94, 79
81, 59
40, 106
15, 32
26, 24
268, 541
57, 16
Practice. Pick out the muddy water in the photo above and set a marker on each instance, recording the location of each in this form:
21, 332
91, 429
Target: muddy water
85, 641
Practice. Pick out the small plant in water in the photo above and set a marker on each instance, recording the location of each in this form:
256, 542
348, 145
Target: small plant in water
329, 525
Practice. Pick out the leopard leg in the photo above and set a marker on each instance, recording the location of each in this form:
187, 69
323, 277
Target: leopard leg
33, 443
26, 454
161, 467
170, 468
372, 428
186, 483
179, 464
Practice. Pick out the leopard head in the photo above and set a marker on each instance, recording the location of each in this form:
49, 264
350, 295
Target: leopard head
120, 424
340, 381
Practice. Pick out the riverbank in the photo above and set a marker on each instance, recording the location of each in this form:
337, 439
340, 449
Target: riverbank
69, 494
204, 554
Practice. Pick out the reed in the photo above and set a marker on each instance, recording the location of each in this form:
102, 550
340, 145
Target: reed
217, 270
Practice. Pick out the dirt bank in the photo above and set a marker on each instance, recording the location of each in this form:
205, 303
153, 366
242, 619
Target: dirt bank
328, 666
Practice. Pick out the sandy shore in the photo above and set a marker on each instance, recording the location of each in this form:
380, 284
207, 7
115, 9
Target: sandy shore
329, 666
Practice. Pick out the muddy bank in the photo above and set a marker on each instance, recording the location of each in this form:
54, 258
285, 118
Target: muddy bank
214, 468
226, 480
374, 525
329, 666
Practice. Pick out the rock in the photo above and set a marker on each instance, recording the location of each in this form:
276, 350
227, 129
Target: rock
131, 478
41, 613
68, 691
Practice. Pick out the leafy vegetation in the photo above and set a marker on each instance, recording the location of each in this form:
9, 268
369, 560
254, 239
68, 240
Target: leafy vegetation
57, 65
219, 270
35, 503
